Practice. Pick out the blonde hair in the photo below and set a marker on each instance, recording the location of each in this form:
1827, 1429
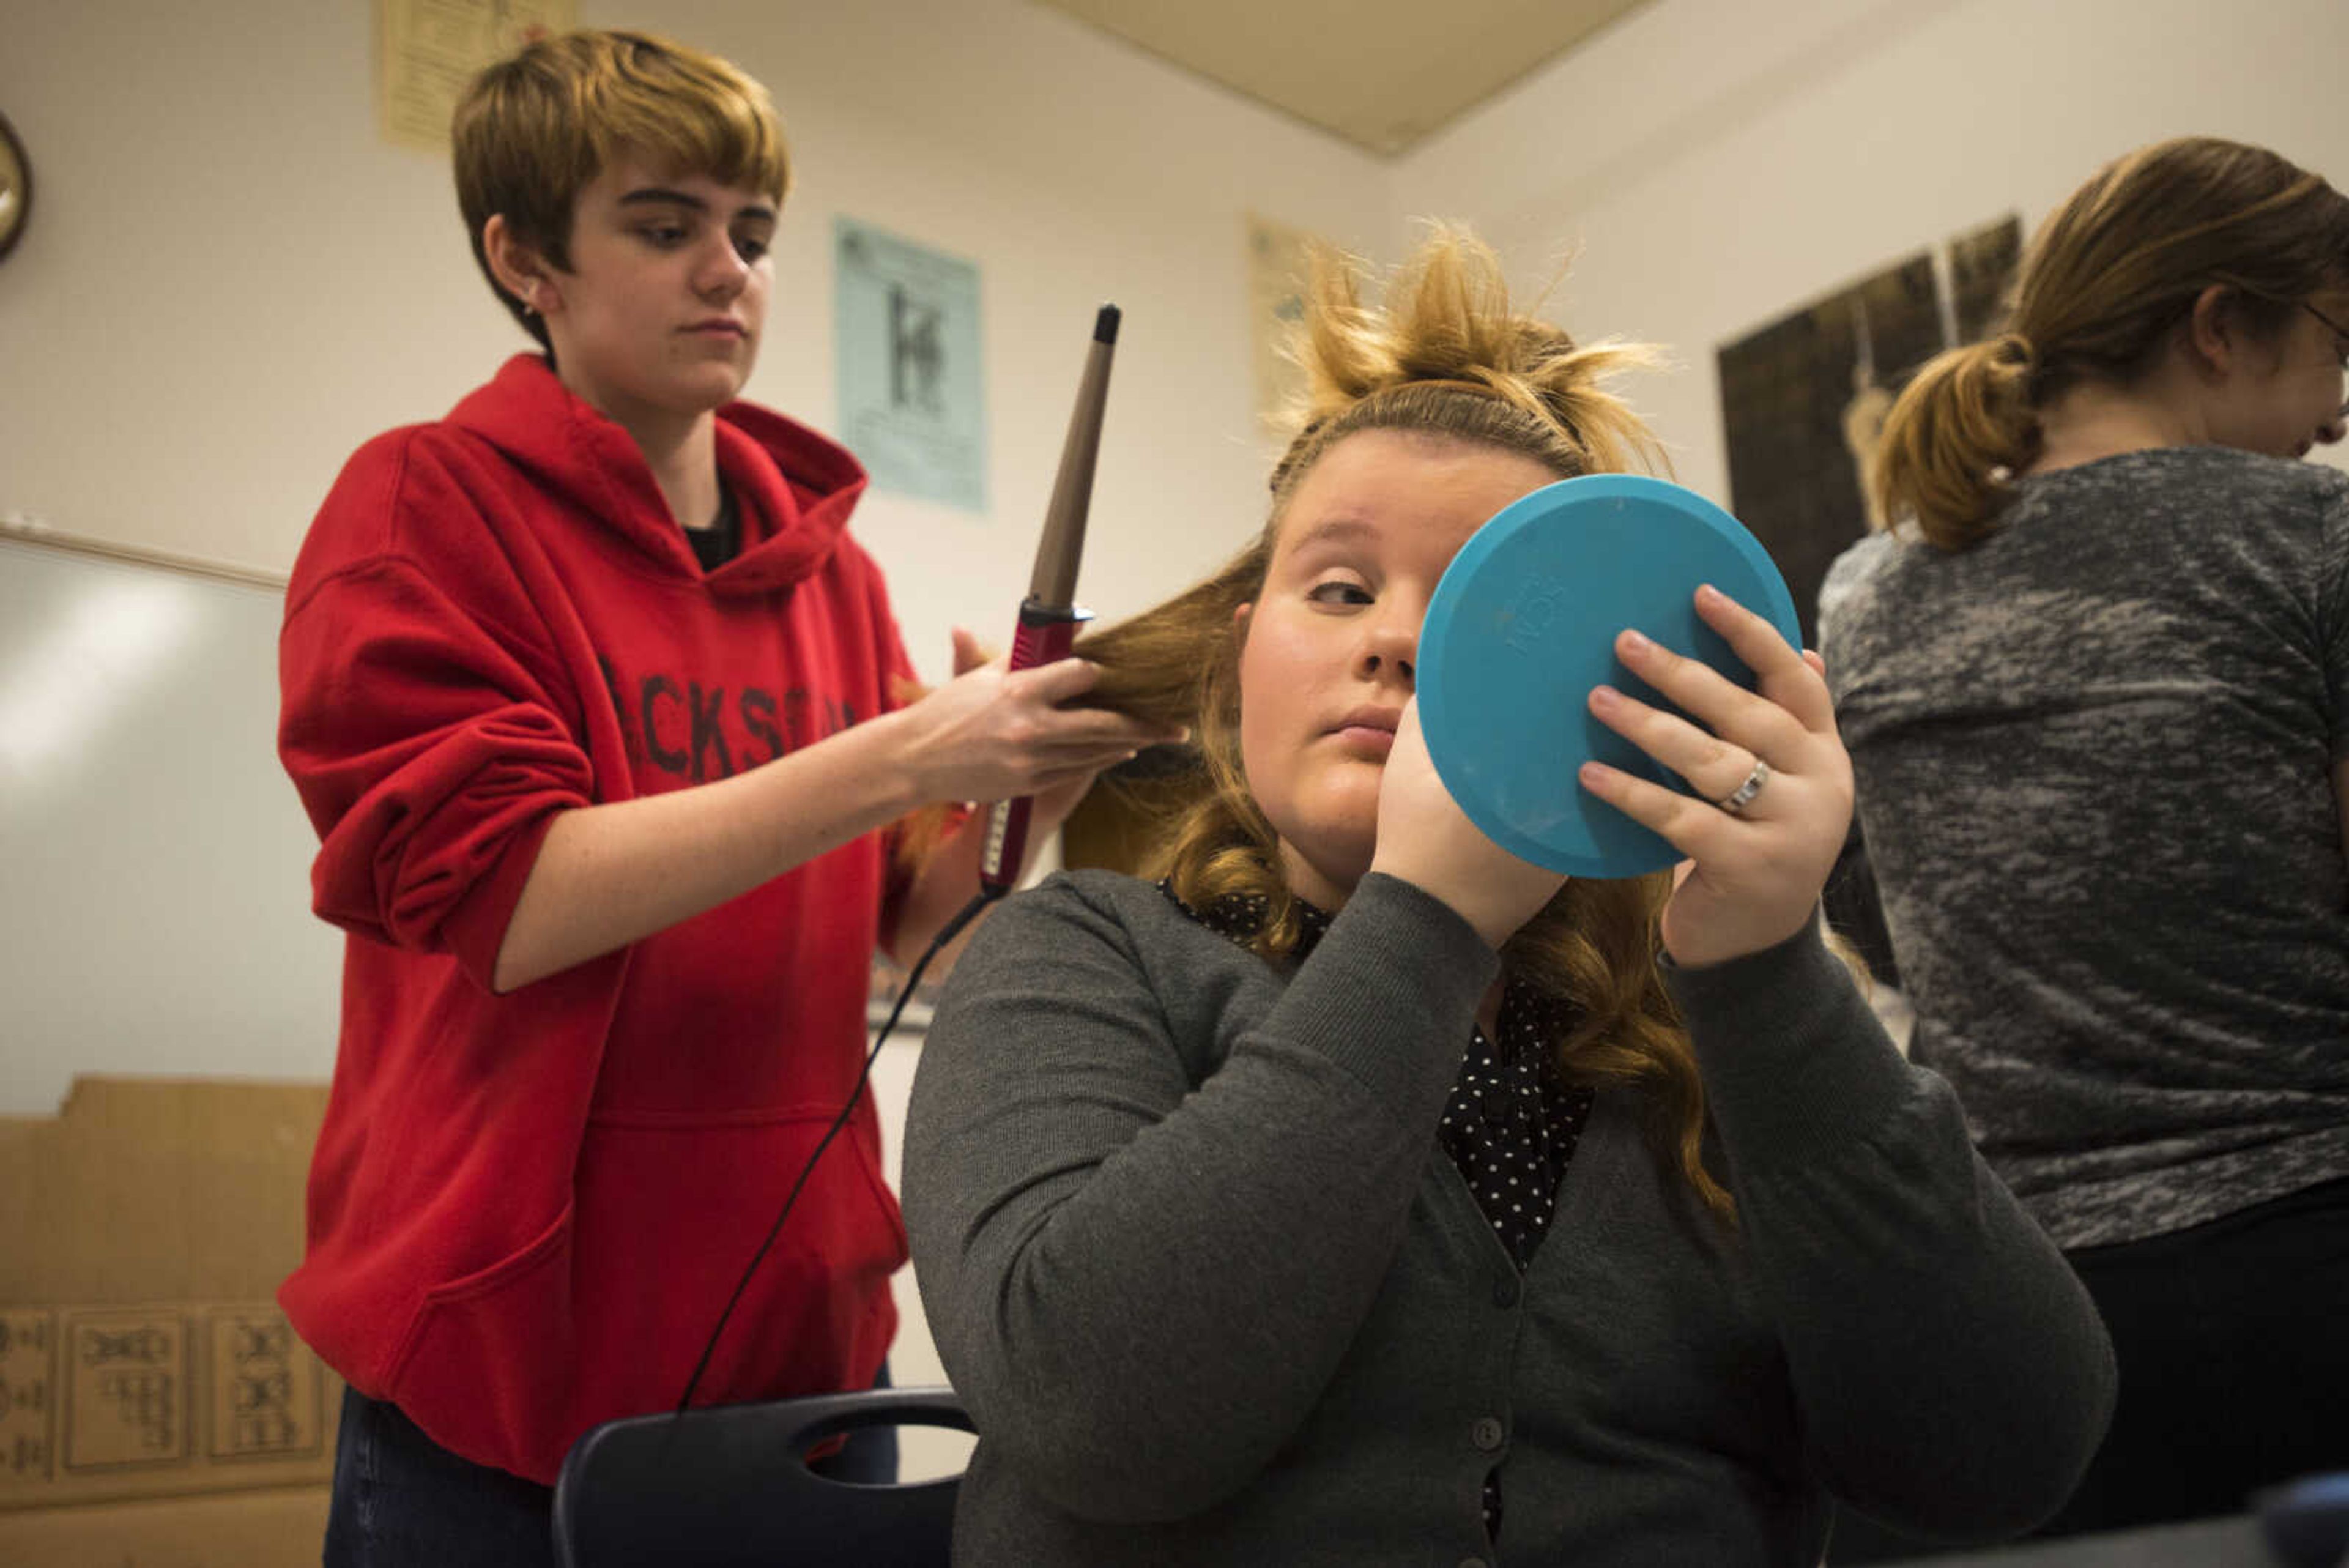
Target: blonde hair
2103, 285
533, 129
1445, 356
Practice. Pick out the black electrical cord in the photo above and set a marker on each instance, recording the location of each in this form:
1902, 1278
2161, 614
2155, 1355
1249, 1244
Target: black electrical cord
946, 933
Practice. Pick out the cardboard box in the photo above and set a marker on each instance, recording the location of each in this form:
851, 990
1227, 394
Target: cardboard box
226, 1530
144, 1231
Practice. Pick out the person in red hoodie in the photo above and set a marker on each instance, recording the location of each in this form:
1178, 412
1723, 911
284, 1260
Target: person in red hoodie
594, 703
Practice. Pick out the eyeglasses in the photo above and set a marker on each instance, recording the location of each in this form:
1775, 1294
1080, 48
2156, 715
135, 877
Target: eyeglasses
2341, 337
2339, 331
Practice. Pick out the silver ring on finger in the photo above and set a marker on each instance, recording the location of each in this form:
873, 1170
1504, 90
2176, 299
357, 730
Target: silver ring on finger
1738, 799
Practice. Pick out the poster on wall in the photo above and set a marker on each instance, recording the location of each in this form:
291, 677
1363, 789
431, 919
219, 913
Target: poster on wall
1280, 265
1804, 398
427, 50
906, 336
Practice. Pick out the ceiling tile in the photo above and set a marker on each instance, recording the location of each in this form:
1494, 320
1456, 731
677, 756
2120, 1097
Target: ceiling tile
1383, 74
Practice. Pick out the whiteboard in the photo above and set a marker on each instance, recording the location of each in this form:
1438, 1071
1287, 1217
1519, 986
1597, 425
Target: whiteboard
154, 862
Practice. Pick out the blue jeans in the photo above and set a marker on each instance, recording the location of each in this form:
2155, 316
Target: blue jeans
403, 1500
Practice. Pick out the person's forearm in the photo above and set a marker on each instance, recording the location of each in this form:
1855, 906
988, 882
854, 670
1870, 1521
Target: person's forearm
946, 881
1924, 1317
609, 875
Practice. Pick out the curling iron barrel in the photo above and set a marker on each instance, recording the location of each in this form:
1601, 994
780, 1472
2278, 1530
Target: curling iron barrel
1049, 616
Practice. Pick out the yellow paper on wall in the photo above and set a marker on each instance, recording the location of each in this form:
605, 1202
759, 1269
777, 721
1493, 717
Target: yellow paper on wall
1278, 266
427, 50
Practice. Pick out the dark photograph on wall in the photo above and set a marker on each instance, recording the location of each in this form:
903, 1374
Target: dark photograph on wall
1804, 398
1980, 265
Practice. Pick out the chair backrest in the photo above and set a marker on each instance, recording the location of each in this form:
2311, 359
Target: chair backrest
730, 1484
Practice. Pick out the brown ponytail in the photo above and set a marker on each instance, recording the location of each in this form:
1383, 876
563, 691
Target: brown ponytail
1956, 436
2104, 282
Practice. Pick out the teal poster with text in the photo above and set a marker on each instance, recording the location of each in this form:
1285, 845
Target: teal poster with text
910, 381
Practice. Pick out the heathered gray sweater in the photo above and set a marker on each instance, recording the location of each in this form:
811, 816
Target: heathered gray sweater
1215, 1296
2095, 757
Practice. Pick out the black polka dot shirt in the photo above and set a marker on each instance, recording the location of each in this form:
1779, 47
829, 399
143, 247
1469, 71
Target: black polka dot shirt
1512, 1122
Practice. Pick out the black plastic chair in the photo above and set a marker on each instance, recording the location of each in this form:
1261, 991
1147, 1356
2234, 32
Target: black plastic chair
730, 1485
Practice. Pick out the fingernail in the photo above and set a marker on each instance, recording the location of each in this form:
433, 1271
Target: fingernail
1706, 594
1636, 643
1605, 698
1592, 775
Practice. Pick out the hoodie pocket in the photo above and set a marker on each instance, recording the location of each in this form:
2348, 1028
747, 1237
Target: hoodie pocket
670, 1213
487, 1367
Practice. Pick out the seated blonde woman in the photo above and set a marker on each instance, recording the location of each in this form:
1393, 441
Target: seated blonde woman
1360, 1194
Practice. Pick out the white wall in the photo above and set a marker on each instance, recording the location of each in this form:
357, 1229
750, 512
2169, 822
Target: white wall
231, 281
1718, 162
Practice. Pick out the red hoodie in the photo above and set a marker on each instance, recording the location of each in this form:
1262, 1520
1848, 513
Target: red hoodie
526, 1211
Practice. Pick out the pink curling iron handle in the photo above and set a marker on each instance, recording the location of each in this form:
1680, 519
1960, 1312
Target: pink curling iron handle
1046, 633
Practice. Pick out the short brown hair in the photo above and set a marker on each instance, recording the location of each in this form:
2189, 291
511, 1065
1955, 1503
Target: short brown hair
2103, 285
532, 130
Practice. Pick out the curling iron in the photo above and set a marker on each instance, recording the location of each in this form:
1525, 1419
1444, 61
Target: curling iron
1048, 619
1049, 616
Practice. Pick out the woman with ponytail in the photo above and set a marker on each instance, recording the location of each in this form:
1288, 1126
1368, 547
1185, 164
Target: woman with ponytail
2094, 679
1357, 1193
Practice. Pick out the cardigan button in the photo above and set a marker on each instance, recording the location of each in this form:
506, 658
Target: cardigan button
1505, 1292
1487, 1433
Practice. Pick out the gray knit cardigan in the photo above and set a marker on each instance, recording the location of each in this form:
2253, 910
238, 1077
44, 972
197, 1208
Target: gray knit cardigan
1215, 1296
